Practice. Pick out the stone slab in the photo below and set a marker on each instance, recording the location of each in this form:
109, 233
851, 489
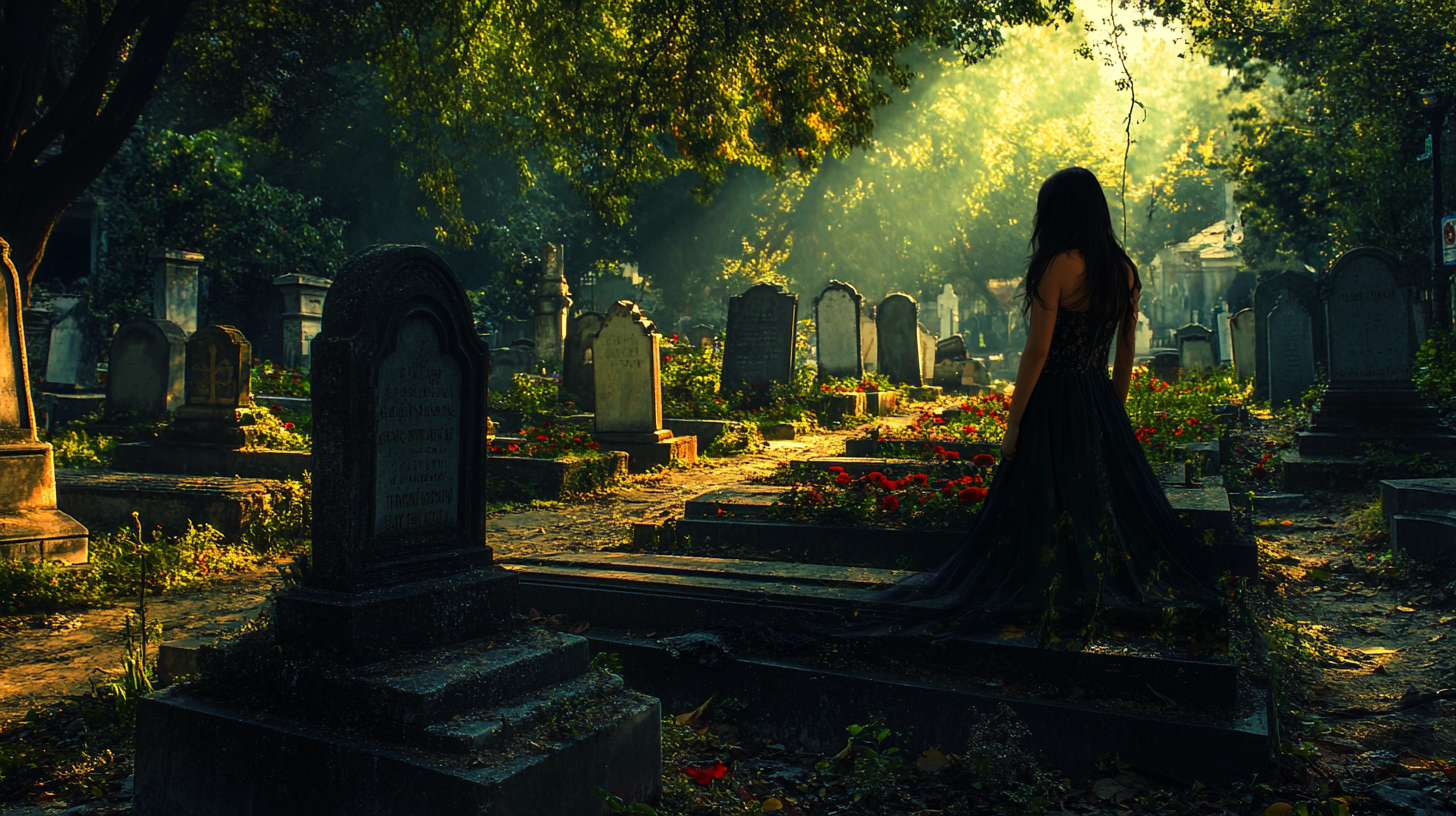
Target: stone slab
210, 460
177, 659
642, 458
104, 500
881, 403
298, 405
1278, 503
837, 407
1304, 473
924, 393
777, 431
42, 534
557, 478
1429, 537
706, 430
1399, 496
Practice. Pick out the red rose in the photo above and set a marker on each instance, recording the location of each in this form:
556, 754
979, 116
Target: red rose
890, 485
1269, 443
952, 455
972, 495
876, 477
288, 425
889, 504
704, 776
667, 359
843, 479
983, 460
836, 469
513, 447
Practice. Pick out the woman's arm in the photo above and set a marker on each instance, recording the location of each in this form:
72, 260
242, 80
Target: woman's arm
1059, 277
1126, 348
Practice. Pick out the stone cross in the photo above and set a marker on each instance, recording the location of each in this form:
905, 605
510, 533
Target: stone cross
174, 287
553, 304
302, 315
837, 324
760, 345
1241, 328
219, 368
897, 331
147, 373
948, 309
628, 379
578, 375
1291, 352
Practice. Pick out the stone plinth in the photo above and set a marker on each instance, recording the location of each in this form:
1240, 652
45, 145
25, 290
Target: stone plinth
174, 287
303, 308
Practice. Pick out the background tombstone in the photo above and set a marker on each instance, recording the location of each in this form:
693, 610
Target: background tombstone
37, 341
1241, 327
578, 377
75, 345
868, 341
1302, 286
897, 339
700, 335
302, 315
612, 288
627, 366
1195, 346
928, 343
1291, 352
948, 310
553, 304
148, 367
837, 323
174, 287
1142, 337
760, 346
1165, 366
1221, 318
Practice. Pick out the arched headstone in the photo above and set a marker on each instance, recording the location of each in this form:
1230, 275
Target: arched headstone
147, 372
897, 339
578, 376
837, 321
760, 344
1291, 352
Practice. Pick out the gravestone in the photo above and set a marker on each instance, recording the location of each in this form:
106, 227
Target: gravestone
1225, 336
1143, 336
928, 342
628, 416
578, 378
948, 310
612, 288
37, 342
394, 663
1195, 347
147, 373
1241, 328
31, 528
1298, 285
700, 335
759, 350
1165, 366
302, 315
507, 362
75, 345
553, 304
868, 342
897, 339
175, 287
1291, 352
837, 323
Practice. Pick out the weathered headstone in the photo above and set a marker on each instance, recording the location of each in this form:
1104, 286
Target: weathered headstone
1241, 327
1291, 352
553, 304
395, 657
1298, 285
1195, 347
700, 335
1143, 336
302, 316
37, 342
1165, 366
897, 333
837, 322
508, 361
928, 342
578, 377
75, 344
175, 287
868, 341
759, 350
612, 288
948, 310
626, 365
1225, 336
147, 373
31, 528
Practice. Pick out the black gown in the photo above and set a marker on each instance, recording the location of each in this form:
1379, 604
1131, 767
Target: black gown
1076, 521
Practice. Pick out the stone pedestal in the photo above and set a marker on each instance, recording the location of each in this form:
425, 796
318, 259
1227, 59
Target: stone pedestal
303, 309
646, 451
553, 304
174, 287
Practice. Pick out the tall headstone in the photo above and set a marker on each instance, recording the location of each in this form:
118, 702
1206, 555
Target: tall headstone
897, 331
1225, 337
147, 373
837, 322
31, 528
1241, 328
1291, 352
868, 342
37, 342
175, 287
1143, 336
75, 345
578, 376
303, 309
948, 310
398, 637
1299, 285
760, 346
553, 304
627, 367
928, 343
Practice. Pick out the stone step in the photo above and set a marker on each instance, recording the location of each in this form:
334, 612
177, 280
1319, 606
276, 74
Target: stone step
1301, 473
671, 594
104, 500
1399, 496
808, 706
1429, 537
1317, 444
209, 460
489, 728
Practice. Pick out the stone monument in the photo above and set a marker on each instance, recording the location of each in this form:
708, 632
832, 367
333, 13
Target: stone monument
625, 362
1296, 285
303, 309
31, 528
553, 304
868, 342
147, 374
700, 335
897, 339
1143, 337
837, 323
759, 350
394, 678
1241, 328
1195, 346
1221, 318
928, 343
1291, 352
174, 287
75, 345
948, 310
578, 378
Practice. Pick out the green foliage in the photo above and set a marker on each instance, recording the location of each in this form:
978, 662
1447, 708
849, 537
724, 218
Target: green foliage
75, 448
280, 381
273, 432
692, 389
549, 441
737, 438
1435, 366
531, 395
1168, 415
1007, 770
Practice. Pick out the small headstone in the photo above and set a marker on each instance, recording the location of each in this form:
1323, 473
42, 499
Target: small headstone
1291, 352
219, 369
837, 322
1165, 366
147, 373
897, 331
578, 377
1143, 336
1225, 337
302, 316
1241, 330
628, 380
37, 342
868, 342
700, 335
175, 286
553, 304
928, 342
760, 343
506, 362
948, 310
1196, 354
75, 345
1302, 286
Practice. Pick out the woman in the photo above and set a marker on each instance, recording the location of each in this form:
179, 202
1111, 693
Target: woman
1076, 526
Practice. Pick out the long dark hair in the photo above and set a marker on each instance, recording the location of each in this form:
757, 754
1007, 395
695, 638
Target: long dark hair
1071, 213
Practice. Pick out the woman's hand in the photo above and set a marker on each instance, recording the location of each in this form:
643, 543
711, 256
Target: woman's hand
1008, 443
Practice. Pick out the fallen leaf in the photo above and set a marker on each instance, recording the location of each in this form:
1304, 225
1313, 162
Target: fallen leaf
1376, 650
692, 716
932, 760
1279, 809
1404, 609
772, 805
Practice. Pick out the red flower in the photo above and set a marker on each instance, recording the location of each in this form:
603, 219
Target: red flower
667, 359
513, 447
890, 485
920, 479
1269, 443
983, 460
952, 455
704, 776
972, 495
593, 445
836, 469
876, 477
1259, 471
673, 339
288, 425
843, 479
541, 438
889, 504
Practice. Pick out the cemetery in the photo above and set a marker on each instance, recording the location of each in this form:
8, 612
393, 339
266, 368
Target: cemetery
426, 408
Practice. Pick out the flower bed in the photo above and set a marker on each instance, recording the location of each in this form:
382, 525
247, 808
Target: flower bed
271, 378
1166, 415
918, 500
548, 440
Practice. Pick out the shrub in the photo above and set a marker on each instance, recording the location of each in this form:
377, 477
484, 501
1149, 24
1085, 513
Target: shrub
1435, 368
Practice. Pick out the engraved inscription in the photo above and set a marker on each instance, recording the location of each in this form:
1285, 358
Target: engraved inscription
417, 420
1369, 325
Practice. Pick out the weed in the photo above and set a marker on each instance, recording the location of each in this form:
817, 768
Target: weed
74, 448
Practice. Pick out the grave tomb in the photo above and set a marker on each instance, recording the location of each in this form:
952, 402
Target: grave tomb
897, 343
759, 350
175, 286
147, 372
553, 304
1298, 286
578, 378
75, 346
393, 677
1421, 517
1241, 326
299, 320
1291, 352
837, 325
628, 381
105, 500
